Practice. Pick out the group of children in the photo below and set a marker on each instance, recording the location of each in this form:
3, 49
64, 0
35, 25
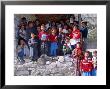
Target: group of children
54, 39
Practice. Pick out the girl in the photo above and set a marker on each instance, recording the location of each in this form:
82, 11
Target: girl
22, 50
75, 37
53, 40
77, 55
67, 46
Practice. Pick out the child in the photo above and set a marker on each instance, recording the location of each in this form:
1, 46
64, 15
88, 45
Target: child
84, 32
53, 40
43, 36
67, 46
60, 41
30, 29
33, 47
22, 32
77, 55
86, 65
94, 59
21, 50
75, 37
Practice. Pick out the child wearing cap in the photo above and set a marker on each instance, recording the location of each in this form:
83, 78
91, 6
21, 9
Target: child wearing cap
94, 59
33, 42
86, 65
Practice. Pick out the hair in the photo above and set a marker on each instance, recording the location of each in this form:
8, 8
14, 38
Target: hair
95, 51
87, 52
20, 40
30, 22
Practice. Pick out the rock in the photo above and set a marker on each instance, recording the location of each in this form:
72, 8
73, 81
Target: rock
67, 58
61, 59
69, 64
41, 61
52, 65
48, 62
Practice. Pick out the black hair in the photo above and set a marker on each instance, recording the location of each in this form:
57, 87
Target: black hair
20, 40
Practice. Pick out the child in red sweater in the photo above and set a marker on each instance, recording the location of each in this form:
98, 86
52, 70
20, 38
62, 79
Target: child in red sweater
86, 65
75, 37
53, 40
43, 36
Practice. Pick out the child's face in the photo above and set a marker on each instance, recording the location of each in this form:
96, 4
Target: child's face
67, 40
42, 28
32, 35
60, 29
78, 46
38, 29
86, 54
95, 54
22, 27
21, 42
31, 25
74, 28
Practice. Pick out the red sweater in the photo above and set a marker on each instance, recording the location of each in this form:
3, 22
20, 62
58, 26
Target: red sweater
53, 38
75, 34
43, 36
86, 65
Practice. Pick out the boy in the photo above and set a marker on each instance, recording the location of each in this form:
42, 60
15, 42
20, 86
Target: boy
94, 59
30, 29
33, 42
84, 32
43, 36
60, 41
86, 65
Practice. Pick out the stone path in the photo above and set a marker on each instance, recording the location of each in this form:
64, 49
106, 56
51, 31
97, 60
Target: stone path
59, 66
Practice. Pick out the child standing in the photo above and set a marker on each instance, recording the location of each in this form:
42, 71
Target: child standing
75, 37
67, 46
94, 59
33, 47
77, 55
53, 40
86, 65
22, 32
43, 36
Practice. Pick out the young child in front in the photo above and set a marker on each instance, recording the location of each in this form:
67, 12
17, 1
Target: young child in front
21, 50
33, 42
53, 40
94, 59
86, 65
67, 46
77, 55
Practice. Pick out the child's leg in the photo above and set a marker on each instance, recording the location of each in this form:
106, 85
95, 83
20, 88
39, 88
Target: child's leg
52, 49
31, 52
